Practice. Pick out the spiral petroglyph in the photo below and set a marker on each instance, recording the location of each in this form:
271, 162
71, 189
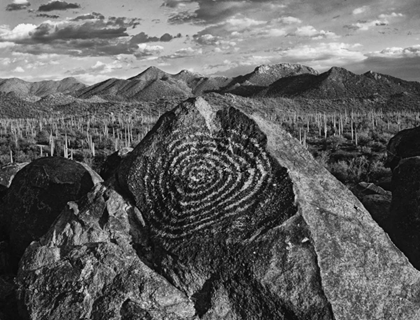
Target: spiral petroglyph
202, 179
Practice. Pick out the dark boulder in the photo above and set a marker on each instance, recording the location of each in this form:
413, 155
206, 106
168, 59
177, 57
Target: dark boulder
376, 200
404, 221
404, 144
112, 162
37, 195
218, 215
379, 206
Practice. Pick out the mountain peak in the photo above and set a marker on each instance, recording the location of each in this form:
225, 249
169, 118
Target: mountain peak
284, 68
151, 73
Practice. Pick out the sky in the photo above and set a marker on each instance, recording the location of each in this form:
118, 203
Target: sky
97, 40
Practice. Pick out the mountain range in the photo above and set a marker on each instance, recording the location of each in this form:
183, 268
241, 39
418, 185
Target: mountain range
291, 81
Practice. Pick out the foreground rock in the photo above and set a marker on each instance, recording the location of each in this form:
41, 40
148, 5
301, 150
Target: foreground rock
37, 195
216, 215
91, 269
404, 221
112, 162
404, 144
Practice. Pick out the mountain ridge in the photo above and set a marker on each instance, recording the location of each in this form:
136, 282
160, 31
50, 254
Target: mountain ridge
279, 81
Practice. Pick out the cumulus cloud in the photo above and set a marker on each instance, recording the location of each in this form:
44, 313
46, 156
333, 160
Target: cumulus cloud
143, 38
383, 20
397, 52
184, 52
360, 10
18, 5
89, 16
84, 37
6, 44
147, 50
18, 69
287, 20
391, 15
310, 31
21, 31
48, 16
58, 5
212, 12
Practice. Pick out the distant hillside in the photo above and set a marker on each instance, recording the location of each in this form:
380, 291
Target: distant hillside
263, 76
293, 86
154, 83
151, 84
40, 89
338, 83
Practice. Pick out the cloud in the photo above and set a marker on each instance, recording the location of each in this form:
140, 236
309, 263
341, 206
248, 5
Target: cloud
366, 25
397, 52
89, 16
240, 28
360, 10
147, 50
18, 5
58, 5
310, 31
6, 44
90, 37
18, 69
184, 52
392, 15
383, 20
21, 31
144, 38
212, 12
48, 16
288, 20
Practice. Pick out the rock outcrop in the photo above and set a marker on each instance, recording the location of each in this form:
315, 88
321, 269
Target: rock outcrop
403, 224
38, 194
90, 266
404, 144
111, 163
376, 200
217, 215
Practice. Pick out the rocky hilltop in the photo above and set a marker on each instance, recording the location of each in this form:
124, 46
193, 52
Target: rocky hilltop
216, 214
40, 89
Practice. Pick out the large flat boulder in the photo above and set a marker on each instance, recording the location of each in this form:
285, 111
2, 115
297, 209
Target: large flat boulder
86, 267
217, 215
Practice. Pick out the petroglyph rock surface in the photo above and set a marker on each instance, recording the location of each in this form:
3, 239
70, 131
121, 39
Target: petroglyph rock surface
234, 219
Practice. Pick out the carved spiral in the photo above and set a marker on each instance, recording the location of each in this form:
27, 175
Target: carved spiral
202, 180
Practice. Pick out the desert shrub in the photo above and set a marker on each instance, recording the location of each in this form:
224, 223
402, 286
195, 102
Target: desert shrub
352, 171
323, 158
42, 137
335, 142
363, 138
